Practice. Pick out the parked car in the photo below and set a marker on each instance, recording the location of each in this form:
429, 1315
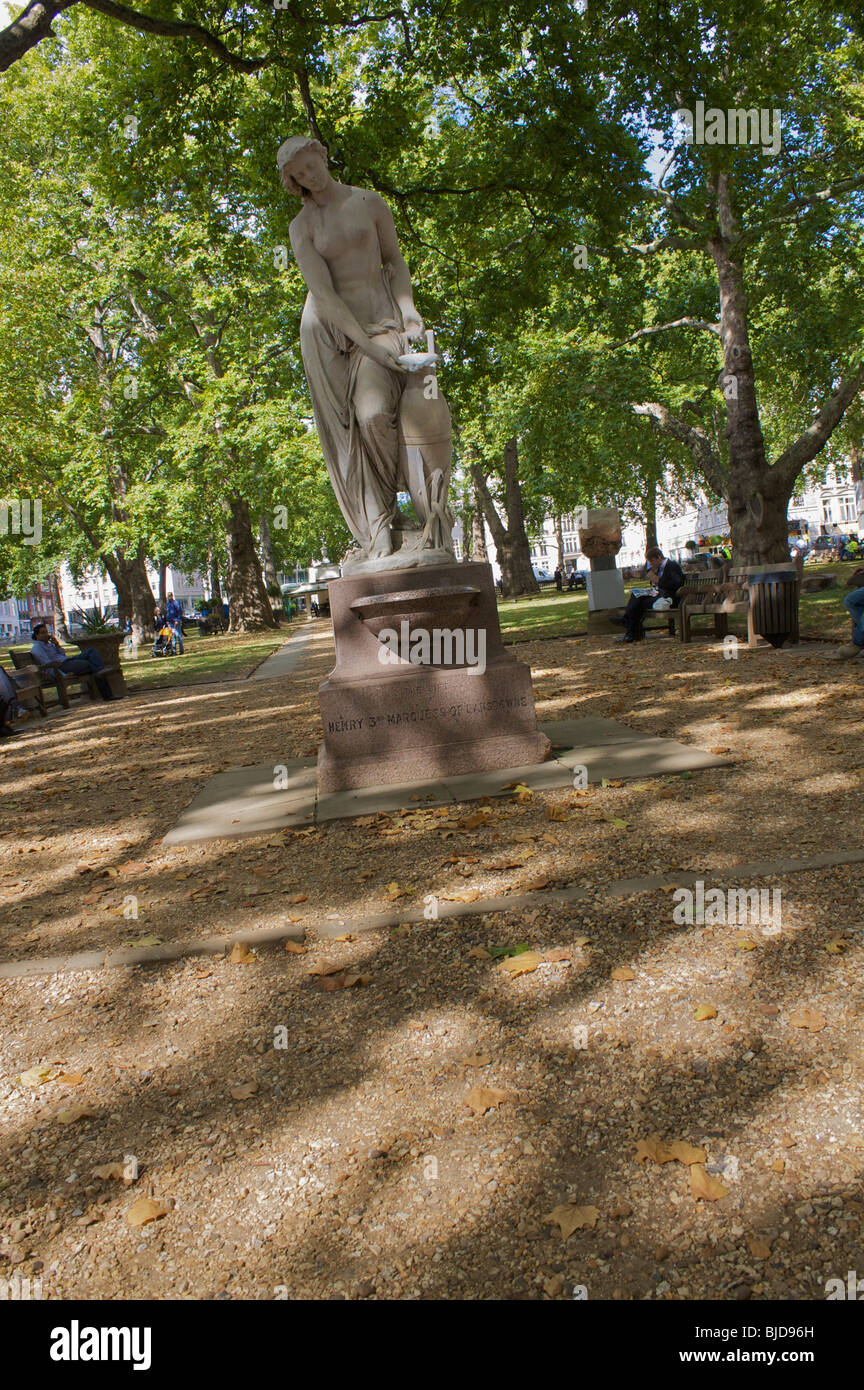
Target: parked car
542, 576
580, 578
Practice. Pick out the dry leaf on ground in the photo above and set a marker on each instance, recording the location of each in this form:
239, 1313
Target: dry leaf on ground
704, 1011
704, 1187
623, 972
570, 1219
811, 1019
244, 1091
241, 954
145, 1210
522, 964
483, 1098
77, 1112
759, 1249
653, 1148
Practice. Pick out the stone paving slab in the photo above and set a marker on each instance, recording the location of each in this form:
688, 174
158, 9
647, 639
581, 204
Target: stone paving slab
285, 659
246, 801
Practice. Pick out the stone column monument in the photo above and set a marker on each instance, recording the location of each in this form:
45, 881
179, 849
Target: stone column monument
600, 539
422, 686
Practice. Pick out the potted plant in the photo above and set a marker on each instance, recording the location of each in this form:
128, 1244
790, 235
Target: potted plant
105, 637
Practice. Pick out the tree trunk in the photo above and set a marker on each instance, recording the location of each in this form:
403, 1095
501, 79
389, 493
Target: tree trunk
215, 585
559, 539
248, 605
650, 513
511, 541
268, 554
61, 628
142, 603
479, 548
163, 583
757, 503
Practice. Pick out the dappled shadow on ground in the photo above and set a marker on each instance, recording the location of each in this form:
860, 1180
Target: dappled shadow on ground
356, 1165
371, 1087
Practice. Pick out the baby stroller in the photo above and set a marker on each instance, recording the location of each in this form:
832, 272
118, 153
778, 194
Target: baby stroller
166, 642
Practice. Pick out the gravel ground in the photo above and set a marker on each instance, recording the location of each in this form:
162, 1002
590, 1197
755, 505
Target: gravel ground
406, 1125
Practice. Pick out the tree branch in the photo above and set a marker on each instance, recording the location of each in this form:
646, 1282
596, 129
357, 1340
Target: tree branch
816, 435
695, 440
661, 327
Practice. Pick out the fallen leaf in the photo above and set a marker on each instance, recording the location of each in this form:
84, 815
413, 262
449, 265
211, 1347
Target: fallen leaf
811, 1019
294, 948
145, 1210
623, 972
570, 1219
478, 1060
35, 1076
521, 964
393, 891
837, 946
77, 1112
474, 821
71, 1078
759, 1249
704, 1011
145, 941
324, 969
653, 1148
745, 943
344, 979
704, 1187
241, 954
483, 1098
480, 953
297, 898
109, 1171
686, 1153
244, 1091
469, 896
557, 813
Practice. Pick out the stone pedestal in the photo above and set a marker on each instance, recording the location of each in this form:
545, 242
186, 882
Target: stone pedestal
605, 588
445, 712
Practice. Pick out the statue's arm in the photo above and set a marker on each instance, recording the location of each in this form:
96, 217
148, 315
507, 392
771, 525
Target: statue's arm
316, 274
400, 274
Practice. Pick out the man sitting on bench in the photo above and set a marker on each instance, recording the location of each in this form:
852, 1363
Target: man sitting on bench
49, 655
669, 578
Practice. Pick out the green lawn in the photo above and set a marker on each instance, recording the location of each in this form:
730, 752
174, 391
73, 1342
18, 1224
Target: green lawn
228, 657
550, 614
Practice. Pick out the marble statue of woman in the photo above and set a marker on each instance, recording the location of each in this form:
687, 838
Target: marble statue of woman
381, 429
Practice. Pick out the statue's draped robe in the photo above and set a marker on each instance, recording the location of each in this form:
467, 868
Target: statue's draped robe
360, 441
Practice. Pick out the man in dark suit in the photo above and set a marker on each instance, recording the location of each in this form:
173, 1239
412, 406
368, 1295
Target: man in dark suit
668, 578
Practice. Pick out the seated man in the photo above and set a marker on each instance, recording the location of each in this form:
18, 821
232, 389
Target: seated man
854, 605
8, 705
49, 655
669, 578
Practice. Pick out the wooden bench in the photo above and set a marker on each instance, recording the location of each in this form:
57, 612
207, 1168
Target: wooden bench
710, 593
28, 691
64, 685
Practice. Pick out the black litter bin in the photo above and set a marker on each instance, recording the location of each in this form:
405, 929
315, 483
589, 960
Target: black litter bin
774, 605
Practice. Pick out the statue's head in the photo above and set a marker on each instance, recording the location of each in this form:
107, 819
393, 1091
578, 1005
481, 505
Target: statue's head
299, 149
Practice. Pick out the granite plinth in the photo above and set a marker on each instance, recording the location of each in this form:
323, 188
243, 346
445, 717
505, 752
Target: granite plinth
387, 720
605, 589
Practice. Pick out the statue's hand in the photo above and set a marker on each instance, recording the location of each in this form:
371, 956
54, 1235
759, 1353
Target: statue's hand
413, 324
378, 350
